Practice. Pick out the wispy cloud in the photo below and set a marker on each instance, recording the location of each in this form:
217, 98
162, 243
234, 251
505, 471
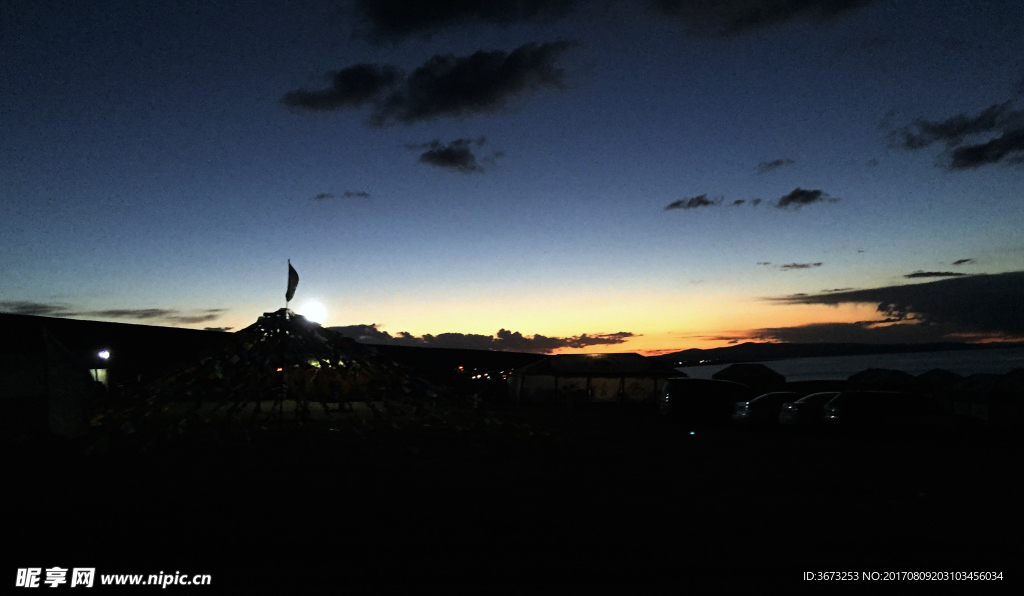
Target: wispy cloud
348, 194
172, 316
963, 261
396, 19
800, 197
692, 203
792, 266
767, 166
444, 86
38, 309
457, 155
918, 274
998, 133
730, 17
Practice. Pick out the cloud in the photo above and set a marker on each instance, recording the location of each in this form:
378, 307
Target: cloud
351, 87
1000, 125
503, 340
862, 332
456, 155
918, 274
738, 202
800, 197
975, 304
348, 194
217, 328
792, 266
37, 309
137, 314
396, 19
730, 17
963, 261
444, 86
1010, 147
692, 203
767, 166
836, 290
192, 319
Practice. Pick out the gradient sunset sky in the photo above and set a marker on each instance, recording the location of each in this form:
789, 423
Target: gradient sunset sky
626, 175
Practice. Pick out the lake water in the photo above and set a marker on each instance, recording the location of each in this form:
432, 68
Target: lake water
967, 362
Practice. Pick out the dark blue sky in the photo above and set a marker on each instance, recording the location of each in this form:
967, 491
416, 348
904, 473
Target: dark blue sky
578, 176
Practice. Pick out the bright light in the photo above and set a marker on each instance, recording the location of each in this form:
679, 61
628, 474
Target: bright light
104, 354
314, 311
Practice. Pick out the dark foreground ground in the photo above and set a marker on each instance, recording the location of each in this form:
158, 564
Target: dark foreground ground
598, 497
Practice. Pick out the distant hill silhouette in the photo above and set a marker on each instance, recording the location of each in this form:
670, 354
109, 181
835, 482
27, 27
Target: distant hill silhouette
756, 352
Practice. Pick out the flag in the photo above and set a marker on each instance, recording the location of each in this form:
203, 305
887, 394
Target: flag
293, 281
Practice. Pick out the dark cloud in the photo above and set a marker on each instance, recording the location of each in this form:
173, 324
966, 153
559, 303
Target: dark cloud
963, 261
800, 197
952, 131
764, 263
836, 290
792, 266
862, 332
217, 328
352, 87
692, 203
134, 313
137, 314
1010, 147
999, 119
192, 319
348, 194
976, 304
729, 17
456, 155
445, 85
767, 166
738, 202
503, 340
755, 202
38, 309
918, 274
395, 19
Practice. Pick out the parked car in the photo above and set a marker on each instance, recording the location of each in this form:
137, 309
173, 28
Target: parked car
805, 411
879, 409
763, 409
705, 402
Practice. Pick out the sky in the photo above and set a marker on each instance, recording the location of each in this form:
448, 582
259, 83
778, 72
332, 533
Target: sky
542, 175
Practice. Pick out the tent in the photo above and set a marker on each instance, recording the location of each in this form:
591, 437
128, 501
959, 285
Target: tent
886, 378
754, 374
284, 356
589, 378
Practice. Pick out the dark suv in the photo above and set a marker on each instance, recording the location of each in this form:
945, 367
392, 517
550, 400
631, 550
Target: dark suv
878, 409
705, 402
